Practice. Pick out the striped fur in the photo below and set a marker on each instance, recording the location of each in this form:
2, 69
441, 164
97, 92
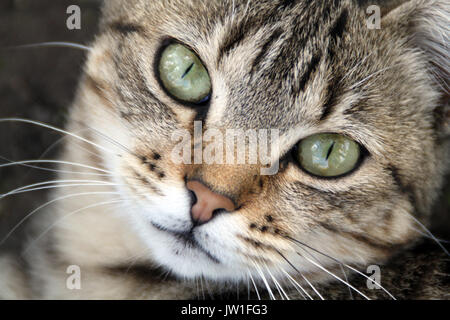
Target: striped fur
303, 67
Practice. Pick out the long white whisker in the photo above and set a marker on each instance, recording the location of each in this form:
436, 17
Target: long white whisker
208, 289
47, 204
98, 156
427, 236
201, 286
342, 269
341, 263
357, 66
57, 130
55, 170
277, 284
64, 186
335, 276
312, 286
51, 182
14, 163
248, 287
359, 83
302, 275
297, 285
55, 44
68, 215
254, 285
263, 277
109, 139
430, 234
346, 279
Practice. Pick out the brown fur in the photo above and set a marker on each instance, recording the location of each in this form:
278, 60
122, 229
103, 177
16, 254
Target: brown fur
302, 67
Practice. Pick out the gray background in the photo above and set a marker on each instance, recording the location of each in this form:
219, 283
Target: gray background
36, 84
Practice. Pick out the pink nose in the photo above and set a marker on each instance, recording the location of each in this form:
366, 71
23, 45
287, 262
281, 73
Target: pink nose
207, 202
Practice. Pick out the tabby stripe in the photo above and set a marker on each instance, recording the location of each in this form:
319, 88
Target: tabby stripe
126, 28
301, 34
257, 244
287, 4
264, 50
97, 87
333, 93
333, 90
339, 26
358, 237
337, 31
150, 184
404, 188
310, 69
235, 38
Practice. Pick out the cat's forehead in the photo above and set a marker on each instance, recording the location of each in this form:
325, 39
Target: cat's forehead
290, 65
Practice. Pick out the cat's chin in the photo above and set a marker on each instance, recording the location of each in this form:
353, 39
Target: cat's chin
186, 258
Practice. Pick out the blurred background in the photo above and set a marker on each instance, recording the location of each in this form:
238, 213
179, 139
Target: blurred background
39, 84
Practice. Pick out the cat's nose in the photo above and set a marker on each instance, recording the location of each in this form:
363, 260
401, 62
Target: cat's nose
207, 202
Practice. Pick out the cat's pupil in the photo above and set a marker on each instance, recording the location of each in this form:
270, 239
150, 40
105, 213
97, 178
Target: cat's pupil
330, 150
187, 70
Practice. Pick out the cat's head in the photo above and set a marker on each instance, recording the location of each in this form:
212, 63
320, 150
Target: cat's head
360, 112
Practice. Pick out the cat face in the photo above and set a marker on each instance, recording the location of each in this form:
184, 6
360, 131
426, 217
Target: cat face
306, 69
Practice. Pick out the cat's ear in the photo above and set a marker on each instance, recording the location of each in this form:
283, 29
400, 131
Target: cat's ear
426, 26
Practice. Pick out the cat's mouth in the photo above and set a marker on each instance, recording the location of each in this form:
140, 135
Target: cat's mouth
188, 240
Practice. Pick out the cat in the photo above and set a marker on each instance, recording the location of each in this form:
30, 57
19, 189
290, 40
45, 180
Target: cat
363, 150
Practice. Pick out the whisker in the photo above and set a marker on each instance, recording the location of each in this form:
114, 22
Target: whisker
359, 83
68, 215
64, 186
25, 163
134, 259
341, 263
427, 236
4, 165
52, 44
248, 287
263, 277
312, 287
356, 67
50, 182
57, 130
47, 204
277, 284
96, 155
342, 269
334, 276
297, 285
109, 139
12, 163
346, 279
208, 289
254, 285
302, 275
430, 234
202, 289
53, 145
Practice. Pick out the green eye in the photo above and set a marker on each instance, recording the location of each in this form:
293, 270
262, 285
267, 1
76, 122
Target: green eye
328, 154
183, 74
